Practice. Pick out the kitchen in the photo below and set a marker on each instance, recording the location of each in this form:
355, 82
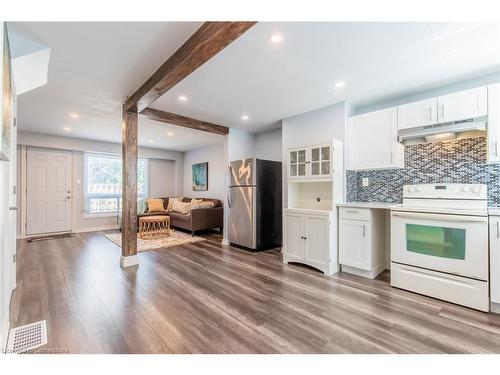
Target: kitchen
421, 199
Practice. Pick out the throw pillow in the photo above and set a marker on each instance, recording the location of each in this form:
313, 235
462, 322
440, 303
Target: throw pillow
155, 205
181, 207
203, 204
171, 201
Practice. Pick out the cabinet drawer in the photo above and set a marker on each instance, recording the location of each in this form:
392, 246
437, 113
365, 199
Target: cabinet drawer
354, 213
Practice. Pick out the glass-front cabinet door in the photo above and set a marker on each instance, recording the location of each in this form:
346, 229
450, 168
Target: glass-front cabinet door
297, 163
321, 161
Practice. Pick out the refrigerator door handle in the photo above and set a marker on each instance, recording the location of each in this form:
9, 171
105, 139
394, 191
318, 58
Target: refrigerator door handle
229, 198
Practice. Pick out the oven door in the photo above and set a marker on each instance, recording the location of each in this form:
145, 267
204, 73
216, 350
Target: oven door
456, 244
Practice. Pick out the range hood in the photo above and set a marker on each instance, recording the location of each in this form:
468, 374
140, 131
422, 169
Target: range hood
441, 132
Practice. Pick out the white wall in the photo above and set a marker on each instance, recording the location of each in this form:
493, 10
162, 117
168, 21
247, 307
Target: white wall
166, 169
241, 144
268, 145
215, 157
312, 128
161, 183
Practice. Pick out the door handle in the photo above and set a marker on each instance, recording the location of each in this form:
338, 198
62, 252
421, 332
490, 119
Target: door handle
498, 229
68, 197
442, 111
13, 208
440, 217
364, 230
229, 198
496, 148
430, 112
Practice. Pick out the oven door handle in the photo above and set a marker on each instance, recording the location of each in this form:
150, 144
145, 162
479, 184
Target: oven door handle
441, 217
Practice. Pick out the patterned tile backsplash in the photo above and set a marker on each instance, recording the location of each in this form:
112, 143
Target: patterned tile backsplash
459, 161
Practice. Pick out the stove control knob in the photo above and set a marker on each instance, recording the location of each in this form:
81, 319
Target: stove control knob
418, 188
464, 189
477, 189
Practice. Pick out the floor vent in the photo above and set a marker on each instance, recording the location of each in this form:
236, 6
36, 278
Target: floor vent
28, 337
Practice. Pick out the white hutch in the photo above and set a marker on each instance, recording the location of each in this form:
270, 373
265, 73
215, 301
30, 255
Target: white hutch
315, 179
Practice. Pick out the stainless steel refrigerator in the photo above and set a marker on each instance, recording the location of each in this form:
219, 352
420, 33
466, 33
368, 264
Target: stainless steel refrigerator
255, 208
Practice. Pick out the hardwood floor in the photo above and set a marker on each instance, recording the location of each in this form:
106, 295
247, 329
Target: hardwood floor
208, 298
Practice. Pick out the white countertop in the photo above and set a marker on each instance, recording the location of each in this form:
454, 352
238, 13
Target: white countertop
387, 206
379, 205
494, 211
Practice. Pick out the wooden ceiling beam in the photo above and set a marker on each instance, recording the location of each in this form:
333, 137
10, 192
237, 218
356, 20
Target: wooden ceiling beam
206, 42
185, 122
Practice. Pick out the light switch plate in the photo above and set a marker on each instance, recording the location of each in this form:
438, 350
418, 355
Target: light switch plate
365, 182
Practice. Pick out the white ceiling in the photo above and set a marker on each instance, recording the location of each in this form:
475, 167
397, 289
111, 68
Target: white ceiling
378, 61
94, 66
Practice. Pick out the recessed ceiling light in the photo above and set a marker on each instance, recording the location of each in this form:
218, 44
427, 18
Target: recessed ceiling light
67, 129
339, 85
183, 98
276, 38
245, 117
170, 134
151, 141
74, 115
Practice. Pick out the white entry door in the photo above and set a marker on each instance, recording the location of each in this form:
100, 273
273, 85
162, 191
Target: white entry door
48, 180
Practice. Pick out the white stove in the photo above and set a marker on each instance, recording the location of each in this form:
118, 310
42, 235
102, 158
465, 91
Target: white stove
439, 243
466, 199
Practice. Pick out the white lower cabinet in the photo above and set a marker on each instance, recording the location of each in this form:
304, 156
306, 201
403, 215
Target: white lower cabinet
362, 241
495, 262
355, 244
294, 236
309, 239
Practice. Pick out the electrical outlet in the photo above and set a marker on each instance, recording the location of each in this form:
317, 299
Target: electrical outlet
365, 182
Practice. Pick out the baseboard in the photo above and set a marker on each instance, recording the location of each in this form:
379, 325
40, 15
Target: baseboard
4, 334
372, 274
129, 261
82, 230
495, 307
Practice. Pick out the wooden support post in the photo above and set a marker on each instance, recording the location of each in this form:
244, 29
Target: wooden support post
129, 189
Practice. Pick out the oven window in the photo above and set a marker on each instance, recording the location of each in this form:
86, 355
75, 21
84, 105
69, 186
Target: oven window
436, 241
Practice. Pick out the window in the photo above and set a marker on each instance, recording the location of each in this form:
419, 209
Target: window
103, 182
436, 241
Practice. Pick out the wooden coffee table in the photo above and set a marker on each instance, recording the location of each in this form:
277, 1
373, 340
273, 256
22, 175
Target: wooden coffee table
151, 227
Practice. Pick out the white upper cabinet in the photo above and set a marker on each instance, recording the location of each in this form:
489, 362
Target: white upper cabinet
321, 161
463, 105
494, 123
297, 161
421, 113
310, 162
373, 141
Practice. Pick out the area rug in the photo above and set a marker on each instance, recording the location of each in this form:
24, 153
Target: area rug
175, 238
